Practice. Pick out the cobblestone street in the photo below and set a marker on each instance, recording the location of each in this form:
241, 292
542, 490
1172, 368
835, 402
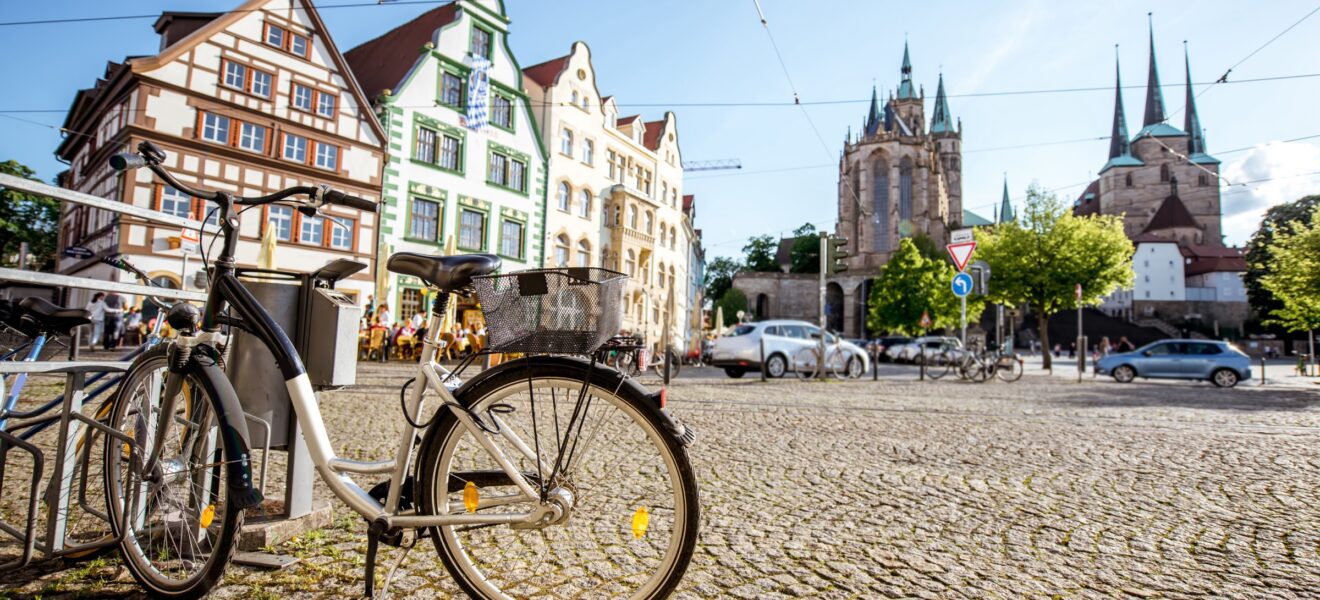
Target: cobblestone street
899, 488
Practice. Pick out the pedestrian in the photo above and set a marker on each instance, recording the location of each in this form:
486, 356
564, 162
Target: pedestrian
386, 319
1072, 350
113, 319
132, 325
1125, 345
96, 313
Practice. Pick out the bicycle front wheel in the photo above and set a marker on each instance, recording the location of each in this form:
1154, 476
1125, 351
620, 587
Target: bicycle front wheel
806, 363
177, 523
939, 366
631, 517
1010, 369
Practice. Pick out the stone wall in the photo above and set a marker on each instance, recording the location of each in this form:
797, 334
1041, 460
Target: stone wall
1229, 314
797, 296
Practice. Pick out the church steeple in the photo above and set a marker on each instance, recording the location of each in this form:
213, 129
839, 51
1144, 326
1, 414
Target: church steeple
905, 89
1006, 213
1192, 122
873, 115
1154, 97
942, 121
1118, 139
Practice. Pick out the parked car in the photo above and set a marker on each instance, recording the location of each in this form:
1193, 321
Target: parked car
923, 348
1218, 362
880, 345
739, 351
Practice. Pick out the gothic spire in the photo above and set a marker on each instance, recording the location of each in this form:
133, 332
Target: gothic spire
905, 89
1118, 140
1192, 123
873, 115
1006, 213
942, 122
1154, 97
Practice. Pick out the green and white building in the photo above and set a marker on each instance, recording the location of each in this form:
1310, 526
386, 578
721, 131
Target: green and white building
483, 187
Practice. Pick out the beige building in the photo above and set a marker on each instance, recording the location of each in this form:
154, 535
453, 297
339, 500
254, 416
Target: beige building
615, 190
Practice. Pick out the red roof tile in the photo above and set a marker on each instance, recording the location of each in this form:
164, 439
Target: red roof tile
626, 120
652, 137
547, 73
381, 64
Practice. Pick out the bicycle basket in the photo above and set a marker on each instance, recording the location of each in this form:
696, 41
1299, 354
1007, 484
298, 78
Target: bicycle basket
551, 311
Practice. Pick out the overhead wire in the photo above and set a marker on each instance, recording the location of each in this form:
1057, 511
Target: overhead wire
234, 11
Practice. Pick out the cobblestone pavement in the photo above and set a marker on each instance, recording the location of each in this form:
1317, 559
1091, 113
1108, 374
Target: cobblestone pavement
899, 488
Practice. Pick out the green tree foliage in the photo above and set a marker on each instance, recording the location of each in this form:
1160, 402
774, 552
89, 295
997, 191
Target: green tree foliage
1260, 262
911, 284
719, 276
1294, 279
805, 254
930, 249
759, 254
1042, 256
27, 218
732, 301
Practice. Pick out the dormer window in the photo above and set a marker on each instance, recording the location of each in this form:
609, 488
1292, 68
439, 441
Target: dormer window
288, 41
480, 43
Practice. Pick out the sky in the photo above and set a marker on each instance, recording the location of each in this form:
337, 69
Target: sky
712, 62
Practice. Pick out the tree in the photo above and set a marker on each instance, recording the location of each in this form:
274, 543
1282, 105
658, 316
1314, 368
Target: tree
929, 248
911, 285
805, 254
1041, 258
27, 218
759, 254
732, 301
719, 276
1294, 279
1260, 263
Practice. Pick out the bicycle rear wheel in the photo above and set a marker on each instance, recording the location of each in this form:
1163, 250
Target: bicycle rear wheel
806, 363
632, 522
1010, 368
177, 523
939, 366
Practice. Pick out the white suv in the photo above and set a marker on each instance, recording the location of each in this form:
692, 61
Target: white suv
739, 351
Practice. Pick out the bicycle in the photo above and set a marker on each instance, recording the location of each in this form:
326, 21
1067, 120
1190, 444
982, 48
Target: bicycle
807, 362
481, 483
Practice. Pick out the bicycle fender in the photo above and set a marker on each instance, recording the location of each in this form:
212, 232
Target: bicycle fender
233, 428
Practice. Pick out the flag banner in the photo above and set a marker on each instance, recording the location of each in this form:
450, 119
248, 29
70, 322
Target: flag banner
478, 98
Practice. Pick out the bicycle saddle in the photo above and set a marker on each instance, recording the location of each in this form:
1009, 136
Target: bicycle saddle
449, 273
51, 318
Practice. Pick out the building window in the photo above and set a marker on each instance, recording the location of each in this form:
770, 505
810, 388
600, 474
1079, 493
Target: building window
649, 219
630, 263
174, 202
327, 156
451, 89
610, 158
660, 280
410, 302
664, 235
673, 238
341, 233
247, 79
1202, 179
281, 218
1164, 173
287, 40
511, 239
425, 222
905, 190
880, 205
299, 45
302, 97
215, 128
252, 137
573, 98
295, 148
507, 172
584, 203
325, 104
480, 43
561, 251
235, 75
275, 36
471, 230
498, 168
583, 253
425, 150
588, 151
1128, 180
311, 230
501, 111
561, 198
450, 150
261, 83
566, 142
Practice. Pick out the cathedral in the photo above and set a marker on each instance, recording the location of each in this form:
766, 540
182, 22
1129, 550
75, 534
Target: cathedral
898, 178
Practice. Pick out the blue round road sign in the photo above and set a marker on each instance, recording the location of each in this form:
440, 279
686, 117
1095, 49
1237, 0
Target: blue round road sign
961, 284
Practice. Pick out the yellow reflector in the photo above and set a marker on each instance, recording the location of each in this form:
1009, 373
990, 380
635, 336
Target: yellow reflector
208, 515
640, 521
471, 497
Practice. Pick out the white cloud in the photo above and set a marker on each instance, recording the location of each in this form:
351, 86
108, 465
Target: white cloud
1271, 174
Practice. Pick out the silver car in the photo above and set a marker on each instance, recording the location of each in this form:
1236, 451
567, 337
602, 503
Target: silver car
1218, 362
739, 351
923, 348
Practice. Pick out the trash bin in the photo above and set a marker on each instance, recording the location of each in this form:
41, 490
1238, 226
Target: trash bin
322, 325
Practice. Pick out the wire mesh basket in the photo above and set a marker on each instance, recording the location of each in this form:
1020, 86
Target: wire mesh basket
551, 311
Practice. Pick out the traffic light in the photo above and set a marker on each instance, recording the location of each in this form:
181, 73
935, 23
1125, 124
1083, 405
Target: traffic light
837, 252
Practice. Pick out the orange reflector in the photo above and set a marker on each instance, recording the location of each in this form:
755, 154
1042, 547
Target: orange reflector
208, 515
471, 497
640, 521
664, 395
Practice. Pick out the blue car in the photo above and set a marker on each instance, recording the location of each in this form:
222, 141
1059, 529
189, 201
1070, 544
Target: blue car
1218, 362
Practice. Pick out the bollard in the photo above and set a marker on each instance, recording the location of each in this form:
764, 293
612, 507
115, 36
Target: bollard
875, 366
762, 358
1262, 370
922, 377
668, 352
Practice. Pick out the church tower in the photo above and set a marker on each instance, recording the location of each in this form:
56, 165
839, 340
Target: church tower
948, 145
909, 104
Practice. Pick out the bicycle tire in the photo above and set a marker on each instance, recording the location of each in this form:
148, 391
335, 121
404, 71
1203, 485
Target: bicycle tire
210, 382
675, 366
599, 513
1010, 368
939, 365
806, 363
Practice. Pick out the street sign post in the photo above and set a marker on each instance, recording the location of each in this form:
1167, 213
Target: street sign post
962, 285
961, 253
1081, 337
189, 240
961, 235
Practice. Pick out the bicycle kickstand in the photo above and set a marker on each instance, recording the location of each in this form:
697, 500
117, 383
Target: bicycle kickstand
375, 531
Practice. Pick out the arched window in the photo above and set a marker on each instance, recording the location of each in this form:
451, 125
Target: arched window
660, 279
671, 276
673, 238
562, 197
632, 216
566, 142
584, 203
583, 253
1128, 180
630, 263
605, 257
673, 198
1164, 173
664, 190
905, 189
880, 204
618, 216
561, 250
575, 97
650, 223
664, 234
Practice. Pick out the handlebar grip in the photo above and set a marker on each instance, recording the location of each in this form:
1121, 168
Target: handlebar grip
125, 161
342, 199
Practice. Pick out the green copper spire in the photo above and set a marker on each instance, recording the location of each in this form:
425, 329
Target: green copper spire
1154, 97
942, 122
905, 89
1006, 213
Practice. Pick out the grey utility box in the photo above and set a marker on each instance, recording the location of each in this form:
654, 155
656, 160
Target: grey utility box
251, 367
332, 338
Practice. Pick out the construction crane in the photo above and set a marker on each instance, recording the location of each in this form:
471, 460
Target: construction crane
711, 165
